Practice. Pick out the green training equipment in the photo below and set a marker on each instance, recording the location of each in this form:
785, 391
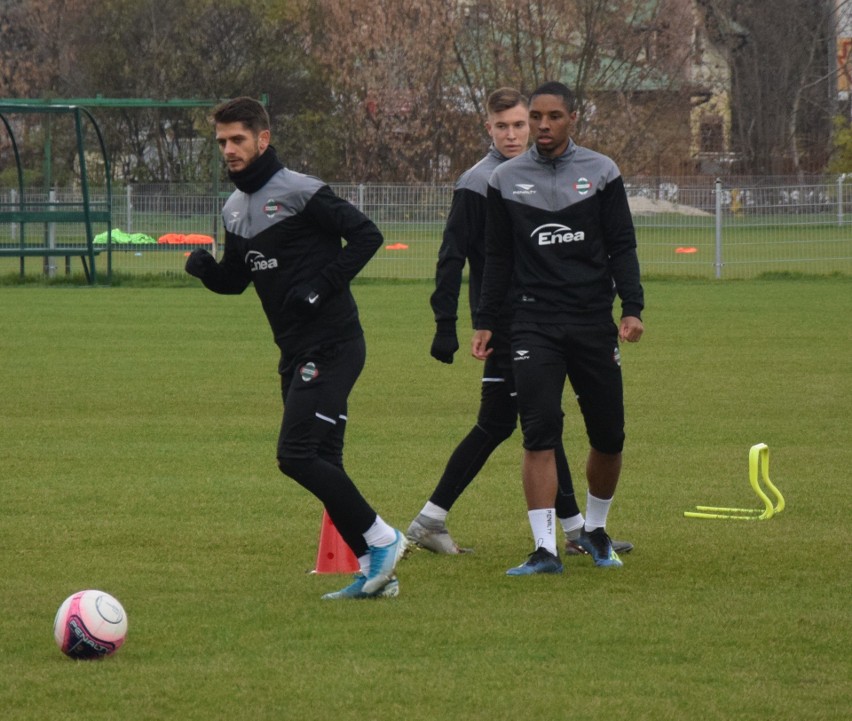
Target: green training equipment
758, 468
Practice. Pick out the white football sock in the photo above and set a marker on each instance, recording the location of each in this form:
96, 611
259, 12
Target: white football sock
597, 510
380, 533
541, 523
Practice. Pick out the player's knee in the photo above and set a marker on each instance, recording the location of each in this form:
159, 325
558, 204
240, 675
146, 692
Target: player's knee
294, 467
498, 432
295, 452
609, 443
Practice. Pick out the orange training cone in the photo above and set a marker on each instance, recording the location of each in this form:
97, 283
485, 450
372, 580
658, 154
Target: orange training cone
334, 556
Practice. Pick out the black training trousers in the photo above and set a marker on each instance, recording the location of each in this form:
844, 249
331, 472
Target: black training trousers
315, 387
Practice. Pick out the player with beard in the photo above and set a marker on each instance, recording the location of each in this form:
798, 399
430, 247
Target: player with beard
283, 234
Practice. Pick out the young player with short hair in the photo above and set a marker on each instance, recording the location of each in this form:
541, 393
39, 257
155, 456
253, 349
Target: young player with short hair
560, 239
464, 242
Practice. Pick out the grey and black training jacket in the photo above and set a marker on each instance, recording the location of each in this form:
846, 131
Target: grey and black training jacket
463, 241
287, 234
559, 240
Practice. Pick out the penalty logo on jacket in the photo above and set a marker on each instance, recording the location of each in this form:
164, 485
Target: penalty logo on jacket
308, 372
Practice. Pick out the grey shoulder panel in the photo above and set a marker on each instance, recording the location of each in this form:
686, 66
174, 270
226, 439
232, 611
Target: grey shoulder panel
476, 177
554, 185
285, 195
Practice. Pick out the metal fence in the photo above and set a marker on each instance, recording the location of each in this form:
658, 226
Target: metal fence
699, 227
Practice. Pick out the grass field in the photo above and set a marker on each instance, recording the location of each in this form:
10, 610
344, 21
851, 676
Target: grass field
137, 434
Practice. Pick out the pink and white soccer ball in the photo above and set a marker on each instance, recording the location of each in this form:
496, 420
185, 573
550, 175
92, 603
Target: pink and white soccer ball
90, 624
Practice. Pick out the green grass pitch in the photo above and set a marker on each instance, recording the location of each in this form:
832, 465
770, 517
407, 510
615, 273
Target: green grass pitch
137, 444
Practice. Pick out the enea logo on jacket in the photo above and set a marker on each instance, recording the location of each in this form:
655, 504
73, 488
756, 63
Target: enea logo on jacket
555, 233
257, 261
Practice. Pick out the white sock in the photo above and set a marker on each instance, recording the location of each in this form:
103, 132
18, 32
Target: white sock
430, 510
541, 523
596, 512
572, 526
380, 533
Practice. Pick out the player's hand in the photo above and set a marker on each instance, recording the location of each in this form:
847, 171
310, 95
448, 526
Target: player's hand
479, 345
630, 329
303, 300
199, 262
444, 345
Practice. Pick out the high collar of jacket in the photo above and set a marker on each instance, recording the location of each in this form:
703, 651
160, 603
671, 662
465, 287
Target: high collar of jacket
494, 153
565, 157
256, 175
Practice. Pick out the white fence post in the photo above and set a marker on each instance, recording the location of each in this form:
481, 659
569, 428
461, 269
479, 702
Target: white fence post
718, 228
50, 262
840, 198
129, 223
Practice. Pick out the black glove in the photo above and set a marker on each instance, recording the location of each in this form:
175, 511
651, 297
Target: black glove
199, 262
445, 342
305, 299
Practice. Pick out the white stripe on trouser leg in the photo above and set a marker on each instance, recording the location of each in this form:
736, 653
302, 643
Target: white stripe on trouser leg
326, 419
493, 380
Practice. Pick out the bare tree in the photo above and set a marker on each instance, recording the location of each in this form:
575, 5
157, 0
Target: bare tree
34, 60
34, 53
781, 57
386, 64
139, 49
393, 90
634, 82
197, 49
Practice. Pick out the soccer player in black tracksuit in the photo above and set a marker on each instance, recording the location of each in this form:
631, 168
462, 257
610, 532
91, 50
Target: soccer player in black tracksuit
283, 233
560, 240
464, 241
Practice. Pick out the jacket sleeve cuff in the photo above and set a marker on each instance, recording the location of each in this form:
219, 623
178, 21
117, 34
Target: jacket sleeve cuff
631, 309
485, 321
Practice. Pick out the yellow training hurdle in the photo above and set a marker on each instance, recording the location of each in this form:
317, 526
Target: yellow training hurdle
758, 468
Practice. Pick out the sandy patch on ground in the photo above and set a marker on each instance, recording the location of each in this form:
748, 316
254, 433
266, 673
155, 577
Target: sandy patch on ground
647, 206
